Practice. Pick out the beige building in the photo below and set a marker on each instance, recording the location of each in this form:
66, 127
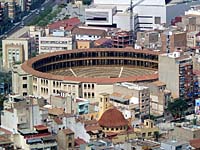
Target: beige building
176, 71
173, 40
148, 39
82, 44
146, 130
19, 76
186, 132
56, 41
16, 48
160, 96
65, 139
79, 81
41, 87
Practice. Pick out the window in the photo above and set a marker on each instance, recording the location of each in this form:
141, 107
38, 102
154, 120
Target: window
157, 20
24, 78
92, 86
70, 145
24, 86
143, 134
92, 95
24, 93
149, 133
85, 94
89, 95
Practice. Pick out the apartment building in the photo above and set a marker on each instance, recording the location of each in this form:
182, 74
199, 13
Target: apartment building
173, 40
122, 39
132, 99
192, 38
20, 113
57, 41
17, 48
66, 139
160, 97
36, 33
149, 40
37, 138
176, 71
88, 34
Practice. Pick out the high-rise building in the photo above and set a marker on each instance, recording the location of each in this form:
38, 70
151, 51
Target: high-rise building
176, 71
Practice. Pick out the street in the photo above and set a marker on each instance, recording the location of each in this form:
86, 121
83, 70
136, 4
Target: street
28, 18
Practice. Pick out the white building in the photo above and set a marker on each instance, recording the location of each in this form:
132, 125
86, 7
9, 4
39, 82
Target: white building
88, 34
57, 41
148, 14
113, 12
23, 113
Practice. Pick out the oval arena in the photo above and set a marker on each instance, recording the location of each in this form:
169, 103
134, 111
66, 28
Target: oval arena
85, 73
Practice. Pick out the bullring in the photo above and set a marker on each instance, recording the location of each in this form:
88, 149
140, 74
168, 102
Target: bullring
86, 72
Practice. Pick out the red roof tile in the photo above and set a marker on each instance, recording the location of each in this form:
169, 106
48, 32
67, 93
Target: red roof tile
101, 41
112, 118
58, 120
86, 31
93, 128
4, 131
67, 131
68, 24
41, 127
27, 67
79, 141
195, 143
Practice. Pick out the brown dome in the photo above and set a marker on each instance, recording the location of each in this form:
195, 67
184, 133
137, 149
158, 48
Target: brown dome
112, 118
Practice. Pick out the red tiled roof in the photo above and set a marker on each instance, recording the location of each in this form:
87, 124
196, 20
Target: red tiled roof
93, 128
195, 143
67, 131
40, 135
112, 118
86, 31
4, 131
41, 127
68, 24
56, 111
101, 41
58, 120
90, 122
79, 141
27, 67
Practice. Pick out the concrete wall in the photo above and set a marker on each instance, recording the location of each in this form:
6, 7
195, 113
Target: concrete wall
168, 72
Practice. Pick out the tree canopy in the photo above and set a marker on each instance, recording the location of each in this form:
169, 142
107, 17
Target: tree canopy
177, 108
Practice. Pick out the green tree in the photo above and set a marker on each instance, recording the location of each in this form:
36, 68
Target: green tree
177, 108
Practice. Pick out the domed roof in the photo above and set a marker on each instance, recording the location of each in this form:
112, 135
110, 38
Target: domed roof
112, 118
